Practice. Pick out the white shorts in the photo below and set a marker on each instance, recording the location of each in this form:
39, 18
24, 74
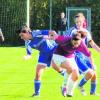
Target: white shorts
58, 60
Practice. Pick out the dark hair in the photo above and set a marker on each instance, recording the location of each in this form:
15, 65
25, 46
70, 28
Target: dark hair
76, 37
22, 30
76, 16
18, 31
83, 34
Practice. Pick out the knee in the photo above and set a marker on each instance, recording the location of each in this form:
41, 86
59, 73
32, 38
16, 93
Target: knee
75, 75
69, 71
94, 76
89, 74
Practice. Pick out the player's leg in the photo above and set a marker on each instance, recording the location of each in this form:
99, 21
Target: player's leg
37, 82
58, 69
68, 70
59, 63
43, 61
87, 76
56, 64
84, 80
72, 80
93, 84
85, 67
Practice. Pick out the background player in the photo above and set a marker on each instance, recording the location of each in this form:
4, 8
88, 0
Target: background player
79, 26
1, 35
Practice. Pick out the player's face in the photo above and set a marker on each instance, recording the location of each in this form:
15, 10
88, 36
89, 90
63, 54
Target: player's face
24, 36
53, 35
79, 23
76, 43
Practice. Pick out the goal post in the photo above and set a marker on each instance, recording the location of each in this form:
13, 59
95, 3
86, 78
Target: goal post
28, 13
72, 11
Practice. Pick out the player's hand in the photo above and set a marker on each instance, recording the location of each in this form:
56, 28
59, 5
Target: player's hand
27, 57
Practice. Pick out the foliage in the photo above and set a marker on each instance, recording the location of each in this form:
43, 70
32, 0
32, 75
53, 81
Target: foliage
13, 15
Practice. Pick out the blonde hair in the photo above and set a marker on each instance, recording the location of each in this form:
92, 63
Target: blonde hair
81, 15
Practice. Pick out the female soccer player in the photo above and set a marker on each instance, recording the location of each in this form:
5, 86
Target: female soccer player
1, 35
79, 27
39, 42
64, 56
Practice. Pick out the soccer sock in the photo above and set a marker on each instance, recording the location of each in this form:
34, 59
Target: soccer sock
82, 82
63, 72
65, 79
93, 87
37, 85
70, 86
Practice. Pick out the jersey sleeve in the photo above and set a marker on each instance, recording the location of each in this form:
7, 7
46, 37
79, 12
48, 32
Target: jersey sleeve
45, 32
71, 31
39, 33
89, 37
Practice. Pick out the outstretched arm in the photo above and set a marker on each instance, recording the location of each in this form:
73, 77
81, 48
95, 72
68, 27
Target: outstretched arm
94, 45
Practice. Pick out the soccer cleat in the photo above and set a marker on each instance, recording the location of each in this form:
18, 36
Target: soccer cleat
35, 95
27, 57
69, 95
64, 91
82, 91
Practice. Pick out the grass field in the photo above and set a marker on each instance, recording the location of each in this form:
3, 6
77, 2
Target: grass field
17, 77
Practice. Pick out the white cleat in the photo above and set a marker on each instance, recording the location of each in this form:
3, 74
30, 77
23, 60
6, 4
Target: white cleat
82, 91
27, 57
64, 91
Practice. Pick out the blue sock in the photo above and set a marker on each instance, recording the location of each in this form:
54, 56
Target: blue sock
37, 85
93, 87
82, 82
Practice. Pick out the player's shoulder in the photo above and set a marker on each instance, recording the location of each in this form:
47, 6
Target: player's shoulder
85, 30
71, 31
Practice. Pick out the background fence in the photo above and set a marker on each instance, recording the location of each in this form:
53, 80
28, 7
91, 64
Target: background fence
13, 14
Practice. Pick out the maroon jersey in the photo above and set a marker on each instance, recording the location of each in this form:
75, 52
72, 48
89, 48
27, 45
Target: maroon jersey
65, 47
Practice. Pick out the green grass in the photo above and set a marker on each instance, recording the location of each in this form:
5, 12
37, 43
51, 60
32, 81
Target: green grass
17, 76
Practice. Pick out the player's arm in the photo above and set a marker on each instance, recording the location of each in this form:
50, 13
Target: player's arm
94, 45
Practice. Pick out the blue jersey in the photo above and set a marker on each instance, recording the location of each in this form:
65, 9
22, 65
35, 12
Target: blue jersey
45, 47
73, 31
35, 33
39, 33
39, 42
28, 48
